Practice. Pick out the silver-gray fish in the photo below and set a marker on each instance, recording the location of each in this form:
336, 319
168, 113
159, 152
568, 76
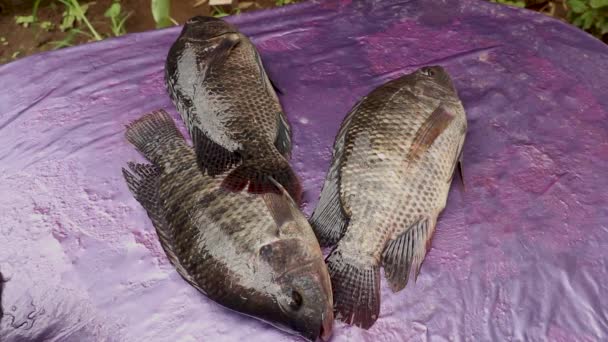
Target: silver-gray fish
255, 254
218, 83
393, 162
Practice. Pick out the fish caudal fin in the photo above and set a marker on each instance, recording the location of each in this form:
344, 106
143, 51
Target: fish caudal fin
407, 251
143, 181
356, 290
151, 133
257, 173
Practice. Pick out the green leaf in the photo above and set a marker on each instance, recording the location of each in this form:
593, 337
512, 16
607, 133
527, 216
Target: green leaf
113, 11
604, 28
598, 3
587, 19
577, 6
25, 20
161, 10
46, 25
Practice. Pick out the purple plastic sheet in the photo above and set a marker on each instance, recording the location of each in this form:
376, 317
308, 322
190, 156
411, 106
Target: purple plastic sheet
520, 255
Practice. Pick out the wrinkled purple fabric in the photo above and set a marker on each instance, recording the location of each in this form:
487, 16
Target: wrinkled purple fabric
519, 255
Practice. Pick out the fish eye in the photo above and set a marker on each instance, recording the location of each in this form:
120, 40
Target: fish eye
296, 300
428, 72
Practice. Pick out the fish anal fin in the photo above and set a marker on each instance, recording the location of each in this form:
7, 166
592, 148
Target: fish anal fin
213, 159
356, 290
143, 181
407, 252
426, 135
283, 139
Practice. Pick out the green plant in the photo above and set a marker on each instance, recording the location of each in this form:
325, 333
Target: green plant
520, 4
67, 40
283, 2
219, 12
590, 15
117, 18
77, 12
29, 19
46, 25
161, 11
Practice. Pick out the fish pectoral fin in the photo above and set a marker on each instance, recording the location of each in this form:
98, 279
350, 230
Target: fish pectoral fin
426, 135
283, 139
281, 206
213, 159
461, 172
356, 290
329, 221
143, 181
407, 251
257, 173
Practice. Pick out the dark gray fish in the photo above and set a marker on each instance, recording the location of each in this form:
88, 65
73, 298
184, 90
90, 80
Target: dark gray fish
393, 162
217, 82
255, 254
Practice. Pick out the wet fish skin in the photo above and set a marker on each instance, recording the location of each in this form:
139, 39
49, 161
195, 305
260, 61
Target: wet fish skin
393, 162
216, 79
254, 254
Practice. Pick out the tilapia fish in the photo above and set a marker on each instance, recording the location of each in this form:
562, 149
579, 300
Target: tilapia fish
393, 162
255, 254
217, 81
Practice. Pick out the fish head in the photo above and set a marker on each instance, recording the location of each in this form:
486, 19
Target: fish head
302, 296
204, 28
433, 77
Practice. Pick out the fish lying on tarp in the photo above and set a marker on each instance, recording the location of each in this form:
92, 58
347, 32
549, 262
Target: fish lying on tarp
217, 81
393, 162
255, 254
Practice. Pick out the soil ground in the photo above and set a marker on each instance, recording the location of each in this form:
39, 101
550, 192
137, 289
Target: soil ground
17, 41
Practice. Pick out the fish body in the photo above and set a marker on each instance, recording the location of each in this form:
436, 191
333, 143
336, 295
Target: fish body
393, 162
216, 79
255, 254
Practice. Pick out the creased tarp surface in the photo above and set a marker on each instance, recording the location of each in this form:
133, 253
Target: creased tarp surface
520, 255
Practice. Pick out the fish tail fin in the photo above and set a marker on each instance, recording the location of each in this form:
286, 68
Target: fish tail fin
356, 290
151, 133
258, 173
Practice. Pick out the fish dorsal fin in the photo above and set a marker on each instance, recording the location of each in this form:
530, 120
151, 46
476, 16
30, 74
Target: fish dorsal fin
143, 181
430, 130
281, 206
329, 220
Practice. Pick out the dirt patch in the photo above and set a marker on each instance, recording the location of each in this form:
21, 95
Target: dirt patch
17, 41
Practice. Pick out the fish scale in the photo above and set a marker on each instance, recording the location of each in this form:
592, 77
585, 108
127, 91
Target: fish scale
215, 238
392, 166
